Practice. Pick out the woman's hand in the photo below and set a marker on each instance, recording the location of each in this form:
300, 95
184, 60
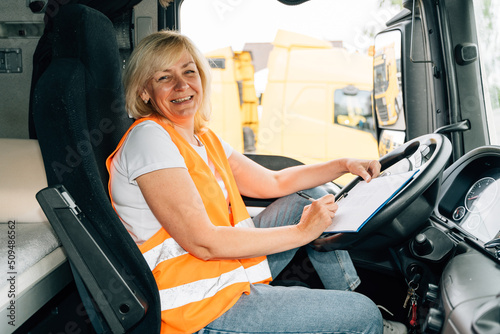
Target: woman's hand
317, 216
366, 169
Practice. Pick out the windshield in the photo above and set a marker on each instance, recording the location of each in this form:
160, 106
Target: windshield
488, 31
302, 59
354, 110
379, 77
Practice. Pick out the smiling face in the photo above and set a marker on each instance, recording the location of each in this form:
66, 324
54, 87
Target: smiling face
176, 91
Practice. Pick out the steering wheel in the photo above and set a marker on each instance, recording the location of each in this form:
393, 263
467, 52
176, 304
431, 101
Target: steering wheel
410, 208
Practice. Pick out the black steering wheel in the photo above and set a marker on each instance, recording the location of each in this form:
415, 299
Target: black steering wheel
410, 208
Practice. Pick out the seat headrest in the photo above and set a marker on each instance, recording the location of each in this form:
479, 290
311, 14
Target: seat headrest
87, 34
22, 175
78, 102
110, 8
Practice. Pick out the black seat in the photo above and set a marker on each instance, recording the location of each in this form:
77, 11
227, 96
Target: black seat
120, 12
79, 116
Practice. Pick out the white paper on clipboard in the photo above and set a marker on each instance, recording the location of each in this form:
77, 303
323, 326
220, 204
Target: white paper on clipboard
365, 200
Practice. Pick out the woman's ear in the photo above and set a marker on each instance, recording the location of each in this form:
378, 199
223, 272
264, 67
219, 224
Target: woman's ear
145, 96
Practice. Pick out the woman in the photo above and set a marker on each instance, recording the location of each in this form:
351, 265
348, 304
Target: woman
176, 186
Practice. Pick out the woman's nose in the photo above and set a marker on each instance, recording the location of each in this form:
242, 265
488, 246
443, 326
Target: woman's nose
181, 84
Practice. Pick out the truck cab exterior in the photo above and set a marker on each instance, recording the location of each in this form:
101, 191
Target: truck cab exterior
388, 99
317, 103
234, 100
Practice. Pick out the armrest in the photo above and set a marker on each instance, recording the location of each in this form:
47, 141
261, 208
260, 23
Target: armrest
112, 290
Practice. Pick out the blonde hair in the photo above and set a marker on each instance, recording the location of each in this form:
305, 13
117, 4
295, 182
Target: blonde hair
157, 52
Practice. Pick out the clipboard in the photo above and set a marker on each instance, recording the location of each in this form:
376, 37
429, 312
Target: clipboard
364, 200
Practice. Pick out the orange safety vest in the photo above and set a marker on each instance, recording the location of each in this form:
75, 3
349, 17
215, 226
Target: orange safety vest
194, 292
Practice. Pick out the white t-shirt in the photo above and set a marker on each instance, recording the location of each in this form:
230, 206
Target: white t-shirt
148, 147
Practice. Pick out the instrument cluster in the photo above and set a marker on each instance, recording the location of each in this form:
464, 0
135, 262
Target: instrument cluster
473, 199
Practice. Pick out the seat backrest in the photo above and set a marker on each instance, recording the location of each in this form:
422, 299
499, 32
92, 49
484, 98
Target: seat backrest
118, 11
79, 116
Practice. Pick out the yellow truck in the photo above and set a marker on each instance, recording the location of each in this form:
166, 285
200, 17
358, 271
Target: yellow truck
234, 101
317, 102
388, 100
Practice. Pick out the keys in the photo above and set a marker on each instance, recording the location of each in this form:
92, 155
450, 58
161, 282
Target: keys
412, 287
412, 297
413, 319
409, 295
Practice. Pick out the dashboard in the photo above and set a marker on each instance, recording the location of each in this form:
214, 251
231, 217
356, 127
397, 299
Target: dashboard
468, 211
472, 200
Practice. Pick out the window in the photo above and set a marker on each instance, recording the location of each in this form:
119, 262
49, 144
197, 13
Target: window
353, 108
307, 61
488, 32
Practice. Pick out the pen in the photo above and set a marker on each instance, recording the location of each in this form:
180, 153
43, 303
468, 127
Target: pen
384, 173
306, 196
341, 196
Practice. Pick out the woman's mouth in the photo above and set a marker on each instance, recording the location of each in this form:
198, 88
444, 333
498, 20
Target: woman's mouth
184, 99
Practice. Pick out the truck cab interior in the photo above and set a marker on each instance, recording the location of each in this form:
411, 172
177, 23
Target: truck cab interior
430, 255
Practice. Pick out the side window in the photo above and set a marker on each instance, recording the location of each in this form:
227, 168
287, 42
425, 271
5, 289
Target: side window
353, 108
488, 28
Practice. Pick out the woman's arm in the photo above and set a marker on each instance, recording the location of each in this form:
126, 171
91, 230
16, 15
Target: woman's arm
181, 212
253, 180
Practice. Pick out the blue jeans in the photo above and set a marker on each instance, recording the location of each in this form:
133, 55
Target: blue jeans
278, 309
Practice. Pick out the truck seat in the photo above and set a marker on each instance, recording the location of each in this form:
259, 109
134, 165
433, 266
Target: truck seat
79, 116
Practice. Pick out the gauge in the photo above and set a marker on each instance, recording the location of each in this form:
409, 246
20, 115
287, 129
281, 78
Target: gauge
481, 195
459, 213
473, 222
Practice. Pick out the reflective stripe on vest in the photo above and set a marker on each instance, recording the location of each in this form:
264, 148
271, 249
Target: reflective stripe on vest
194, 292
246, 223
170, 249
